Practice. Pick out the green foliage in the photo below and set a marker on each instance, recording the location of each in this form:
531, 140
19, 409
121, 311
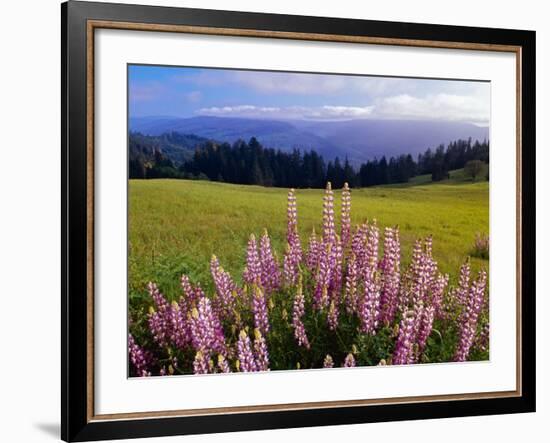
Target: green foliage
474, 168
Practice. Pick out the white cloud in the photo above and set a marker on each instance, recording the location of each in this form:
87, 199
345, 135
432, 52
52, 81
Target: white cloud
473, 109
449, 107
291, 112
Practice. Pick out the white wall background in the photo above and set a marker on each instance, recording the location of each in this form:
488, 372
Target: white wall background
30, 221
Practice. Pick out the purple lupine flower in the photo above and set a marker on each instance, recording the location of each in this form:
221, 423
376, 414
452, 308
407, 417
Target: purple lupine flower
290, 266
189, 296
291, 263
206, 330
187, 301
323, 277
259, 308
346, 216
335, 286
179, 330
482, 339
160, 302
158, 325
461, 292
425, 330
226, 288
417, 266
159, 317
390, 267
314, 249
253, 271
329, 231
425, 293
428, 246
369, 306
139, 358
419, 306
333, 312
431, 264
270, 274
349, 361
297, 314
292, 217
358, 245
404, 347
469, 318
260, 351
422, 265
201, 364
371, 249
328, 278
352, 281
417, 295
223, 365
247, 362
293, 254
439, 284
328, 362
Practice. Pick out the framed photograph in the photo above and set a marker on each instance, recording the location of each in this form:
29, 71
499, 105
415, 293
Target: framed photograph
277, 221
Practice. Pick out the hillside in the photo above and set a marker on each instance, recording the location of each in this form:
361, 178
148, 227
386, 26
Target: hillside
456, 177
359, 140
176, 146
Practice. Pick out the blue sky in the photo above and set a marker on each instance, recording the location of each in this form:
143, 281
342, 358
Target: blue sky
191, 92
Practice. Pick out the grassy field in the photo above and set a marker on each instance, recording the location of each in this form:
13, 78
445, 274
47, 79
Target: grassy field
176, 225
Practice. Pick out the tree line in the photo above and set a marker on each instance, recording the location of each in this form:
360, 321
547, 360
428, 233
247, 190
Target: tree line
250, 163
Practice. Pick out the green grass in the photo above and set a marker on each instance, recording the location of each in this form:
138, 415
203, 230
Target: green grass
176, 225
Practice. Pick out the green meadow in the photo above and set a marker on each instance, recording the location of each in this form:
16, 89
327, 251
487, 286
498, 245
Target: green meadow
176, 225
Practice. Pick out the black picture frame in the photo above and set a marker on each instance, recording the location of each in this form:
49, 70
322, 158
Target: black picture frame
76, 423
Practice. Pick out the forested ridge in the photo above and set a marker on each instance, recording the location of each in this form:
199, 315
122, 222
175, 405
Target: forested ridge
176, 155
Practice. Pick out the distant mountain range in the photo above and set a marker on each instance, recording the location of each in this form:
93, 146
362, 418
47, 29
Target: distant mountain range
359, 140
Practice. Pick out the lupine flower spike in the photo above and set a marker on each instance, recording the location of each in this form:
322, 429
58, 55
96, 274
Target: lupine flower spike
253, 271
293, 255
346, 215
468, 322
259, 308
312, 256
328, 362
297, 314
226, 289
349, 361
270, 275
247, 362
260, 351
139, 358
223, 366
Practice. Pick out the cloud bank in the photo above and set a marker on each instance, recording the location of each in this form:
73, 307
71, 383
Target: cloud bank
289, 112
403, 106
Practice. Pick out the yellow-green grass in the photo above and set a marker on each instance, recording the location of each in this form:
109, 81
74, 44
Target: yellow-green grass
176, 225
